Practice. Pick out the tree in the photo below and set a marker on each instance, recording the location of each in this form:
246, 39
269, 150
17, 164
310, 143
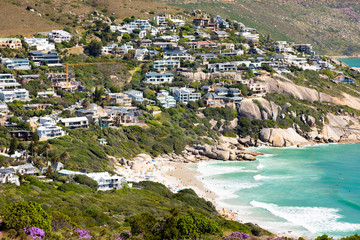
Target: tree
267, 68
93, 48
97, 94
48, 148
85, 103
13, 145
21, 214
249, 74
65, 156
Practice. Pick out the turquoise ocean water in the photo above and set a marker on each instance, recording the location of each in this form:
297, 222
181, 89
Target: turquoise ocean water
352, 62
302, 191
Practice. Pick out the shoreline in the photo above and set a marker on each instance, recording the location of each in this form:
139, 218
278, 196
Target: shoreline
337, 60
340, 57
179, 175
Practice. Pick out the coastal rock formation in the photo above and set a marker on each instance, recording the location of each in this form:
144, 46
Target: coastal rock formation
201, 76
258, 108
280, 84
341, 128
226, 149
278, 137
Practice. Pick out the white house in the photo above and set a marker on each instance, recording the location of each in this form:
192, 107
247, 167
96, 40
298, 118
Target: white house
106, 181
47, 93
9, 95
17, 63
166, 100
74, 122
177, 54
178, 22
49, 130
59, 36
141, 24
136, 95
41, 44
27, 169
160, 21
162, 65
8, 175
171, 38
185, 95
7, 80
113, 48
4, 108
219, 67
140, 53
158, 78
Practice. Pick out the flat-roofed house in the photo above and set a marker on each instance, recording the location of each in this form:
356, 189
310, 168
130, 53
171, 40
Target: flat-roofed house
75, 122
8, 175
59, 36
9, 95
7, 80
164, 64
119, 98
51, 59
17, 64
106, 181
158, 78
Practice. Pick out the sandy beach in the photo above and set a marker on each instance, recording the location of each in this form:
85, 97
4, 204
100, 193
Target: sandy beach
175, 176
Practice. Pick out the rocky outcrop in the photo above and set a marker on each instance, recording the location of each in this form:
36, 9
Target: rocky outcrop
278, 137
280, 84
258, 108
226, 149
201, 76
340, 128
222, 151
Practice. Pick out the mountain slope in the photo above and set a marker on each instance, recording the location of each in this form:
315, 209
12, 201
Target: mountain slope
50, 14
16, 20
333, 27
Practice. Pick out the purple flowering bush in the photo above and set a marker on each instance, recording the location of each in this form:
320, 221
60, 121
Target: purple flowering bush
35, 233
83, 234
236, 236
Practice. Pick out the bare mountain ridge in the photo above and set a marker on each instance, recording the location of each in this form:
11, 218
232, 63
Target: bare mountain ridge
28, 17
331, 26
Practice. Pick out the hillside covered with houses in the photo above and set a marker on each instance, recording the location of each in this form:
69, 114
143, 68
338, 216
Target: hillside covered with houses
76, 105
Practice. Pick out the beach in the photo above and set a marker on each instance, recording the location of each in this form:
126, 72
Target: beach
249, 191
175, 176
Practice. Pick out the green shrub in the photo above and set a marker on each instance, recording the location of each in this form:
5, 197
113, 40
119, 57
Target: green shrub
85, 180
158, 188
21, 214
73, 187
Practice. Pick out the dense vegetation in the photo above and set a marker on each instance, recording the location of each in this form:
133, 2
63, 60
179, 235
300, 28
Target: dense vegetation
148, 210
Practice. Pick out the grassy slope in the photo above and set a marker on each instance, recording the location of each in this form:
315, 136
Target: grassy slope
61, 13
16, 20
330, 26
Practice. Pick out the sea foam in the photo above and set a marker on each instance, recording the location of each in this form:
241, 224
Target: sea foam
227, 189
212, 168
259, 177
314, 219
